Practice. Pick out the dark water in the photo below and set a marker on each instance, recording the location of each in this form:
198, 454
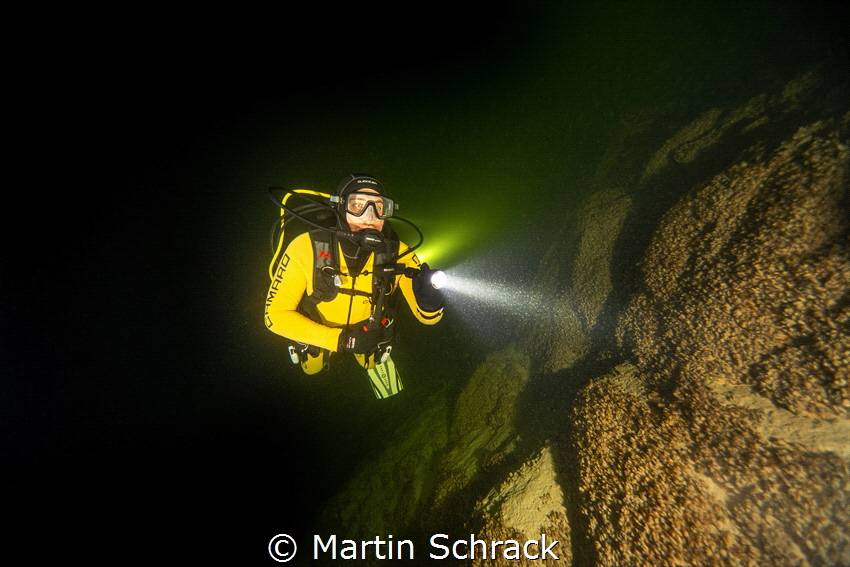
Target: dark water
139, 384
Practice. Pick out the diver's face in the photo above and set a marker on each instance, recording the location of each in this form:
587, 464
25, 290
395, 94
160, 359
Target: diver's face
367, 219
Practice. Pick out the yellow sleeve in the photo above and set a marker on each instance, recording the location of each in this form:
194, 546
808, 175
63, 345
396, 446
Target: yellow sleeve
406, 285
291, 278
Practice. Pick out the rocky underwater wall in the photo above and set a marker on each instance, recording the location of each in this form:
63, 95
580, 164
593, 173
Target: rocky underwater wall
686, 400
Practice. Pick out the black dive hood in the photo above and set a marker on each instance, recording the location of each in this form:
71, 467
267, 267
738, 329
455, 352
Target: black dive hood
318, 206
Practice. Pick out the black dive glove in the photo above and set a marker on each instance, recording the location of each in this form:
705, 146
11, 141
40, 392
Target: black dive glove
361, 340
427, 296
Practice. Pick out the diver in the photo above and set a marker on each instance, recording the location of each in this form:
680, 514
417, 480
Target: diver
331, 286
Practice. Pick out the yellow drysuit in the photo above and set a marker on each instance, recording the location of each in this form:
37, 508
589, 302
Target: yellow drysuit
294, 277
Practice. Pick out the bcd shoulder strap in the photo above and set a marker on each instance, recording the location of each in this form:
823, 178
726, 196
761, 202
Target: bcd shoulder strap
325, 265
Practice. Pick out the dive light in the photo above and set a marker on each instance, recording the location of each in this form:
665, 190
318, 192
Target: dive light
438, 279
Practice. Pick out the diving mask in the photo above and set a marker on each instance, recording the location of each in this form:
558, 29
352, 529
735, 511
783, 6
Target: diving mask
357, 203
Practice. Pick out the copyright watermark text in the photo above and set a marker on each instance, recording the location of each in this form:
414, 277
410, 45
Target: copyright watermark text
282, 548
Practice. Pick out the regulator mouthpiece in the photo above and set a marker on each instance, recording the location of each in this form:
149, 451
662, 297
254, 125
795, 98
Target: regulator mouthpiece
369, 239
438, 279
